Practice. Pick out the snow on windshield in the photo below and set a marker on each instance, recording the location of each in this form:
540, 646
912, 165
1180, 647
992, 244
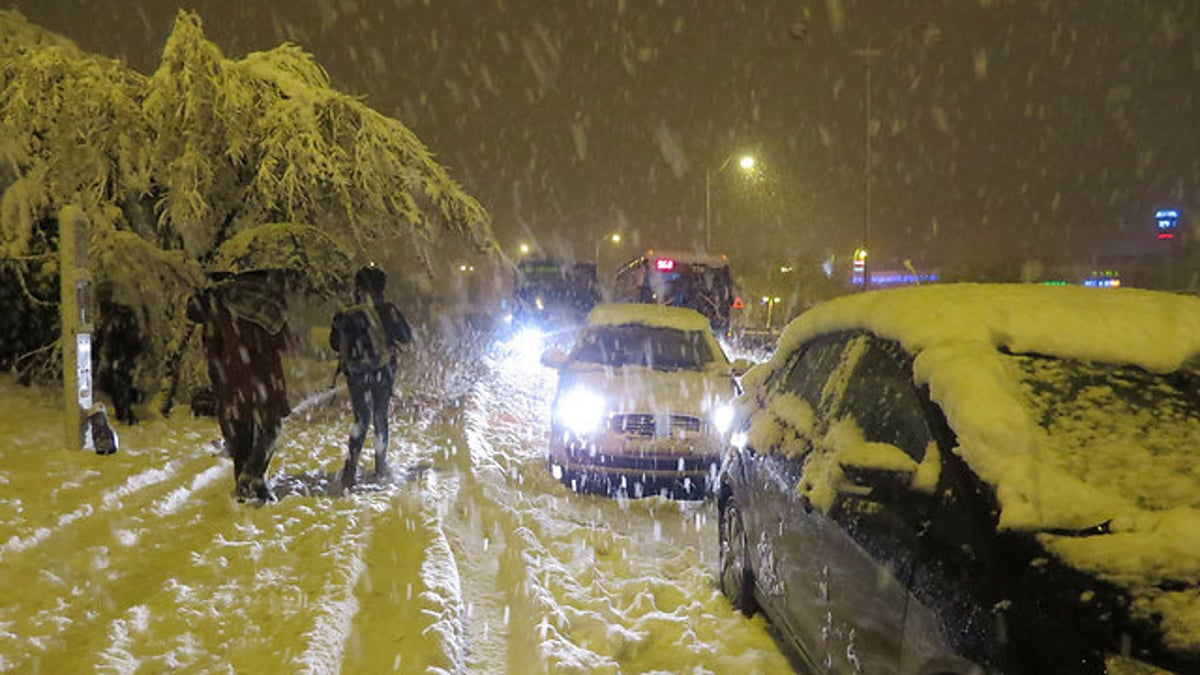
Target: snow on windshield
649, 346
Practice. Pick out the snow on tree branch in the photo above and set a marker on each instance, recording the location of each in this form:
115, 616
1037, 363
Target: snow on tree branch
205, 151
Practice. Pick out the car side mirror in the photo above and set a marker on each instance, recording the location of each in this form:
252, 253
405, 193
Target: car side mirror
877, 469
554, 357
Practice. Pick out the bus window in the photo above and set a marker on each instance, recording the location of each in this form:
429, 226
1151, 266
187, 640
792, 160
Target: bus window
697, 281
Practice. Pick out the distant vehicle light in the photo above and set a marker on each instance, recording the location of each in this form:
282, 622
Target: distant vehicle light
664, 264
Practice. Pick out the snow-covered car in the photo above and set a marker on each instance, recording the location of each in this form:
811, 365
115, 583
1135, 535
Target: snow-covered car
642, 403
973, 478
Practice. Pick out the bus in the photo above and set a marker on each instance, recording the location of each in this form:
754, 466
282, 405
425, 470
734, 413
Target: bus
699, 281
551, 294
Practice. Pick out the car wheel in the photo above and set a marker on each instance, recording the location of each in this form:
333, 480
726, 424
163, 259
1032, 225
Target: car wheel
737, 581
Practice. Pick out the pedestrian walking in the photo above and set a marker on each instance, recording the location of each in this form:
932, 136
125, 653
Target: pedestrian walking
366, 336
245, 333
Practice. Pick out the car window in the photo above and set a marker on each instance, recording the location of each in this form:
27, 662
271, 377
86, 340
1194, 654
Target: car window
881, 398
641, 345
812, 368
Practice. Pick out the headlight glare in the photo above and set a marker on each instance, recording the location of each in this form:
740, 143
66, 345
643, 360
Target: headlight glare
581, 411
722, 417
527, 341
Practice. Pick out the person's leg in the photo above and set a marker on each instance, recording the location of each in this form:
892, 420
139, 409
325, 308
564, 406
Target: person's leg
381, 396
239, 439
361, 406
227, 441
262, 449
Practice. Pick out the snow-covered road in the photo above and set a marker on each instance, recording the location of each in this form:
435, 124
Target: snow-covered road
472, 560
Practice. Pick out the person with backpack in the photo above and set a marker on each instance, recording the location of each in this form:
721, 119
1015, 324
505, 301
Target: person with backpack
366, 336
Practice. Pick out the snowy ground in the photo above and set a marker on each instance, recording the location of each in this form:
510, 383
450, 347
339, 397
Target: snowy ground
472, 560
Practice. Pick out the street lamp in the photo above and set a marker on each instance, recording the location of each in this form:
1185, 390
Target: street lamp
615, 238
746, 164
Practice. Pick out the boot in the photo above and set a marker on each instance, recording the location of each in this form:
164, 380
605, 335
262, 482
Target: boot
349, 474
262, 491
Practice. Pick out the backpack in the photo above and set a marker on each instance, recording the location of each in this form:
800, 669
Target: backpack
362, 339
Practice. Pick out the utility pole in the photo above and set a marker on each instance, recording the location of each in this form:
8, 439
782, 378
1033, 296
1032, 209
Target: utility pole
84, 425
867, 55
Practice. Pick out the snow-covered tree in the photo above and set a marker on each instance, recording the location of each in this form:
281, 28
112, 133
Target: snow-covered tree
196, 166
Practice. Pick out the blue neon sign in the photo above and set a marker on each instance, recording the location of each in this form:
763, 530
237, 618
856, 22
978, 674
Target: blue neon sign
1167, 221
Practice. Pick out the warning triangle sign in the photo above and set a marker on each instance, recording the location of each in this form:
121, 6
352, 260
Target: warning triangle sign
738, 304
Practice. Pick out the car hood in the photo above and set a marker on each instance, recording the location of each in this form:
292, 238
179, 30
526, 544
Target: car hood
1155, 557
639, 389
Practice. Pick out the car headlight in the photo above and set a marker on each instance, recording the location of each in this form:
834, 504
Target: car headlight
527, 342
722, 417
581, 411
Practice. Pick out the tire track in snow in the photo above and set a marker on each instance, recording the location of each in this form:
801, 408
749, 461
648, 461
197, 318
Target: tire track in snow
108, 499
78, 583
410, 608
507, 607
141, 548
251, 581
443, 581
327, 638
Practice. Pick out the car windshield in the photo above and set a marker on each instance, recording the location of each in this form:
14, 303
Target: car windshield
640, 345
1100, 420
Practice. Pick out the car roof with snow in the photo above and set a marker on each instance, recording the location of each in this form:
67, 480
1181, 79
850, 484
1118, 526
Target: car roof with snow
1154, 330
661, 316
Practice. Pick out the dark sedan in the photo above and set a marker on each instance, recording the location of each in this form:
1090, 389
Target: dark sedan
973, 478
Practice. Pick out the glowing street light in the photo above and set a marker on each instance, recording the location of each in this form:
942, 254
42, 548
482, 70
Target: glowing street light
524, 248
746, 163
615, 238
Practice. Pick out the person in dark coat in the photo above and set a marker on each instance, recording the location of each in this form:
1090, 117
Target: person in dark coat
119, 345
245, 334
366, 336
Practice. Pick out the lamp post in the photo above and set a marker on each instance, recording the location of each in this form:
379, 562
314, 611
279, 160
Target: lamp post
746, 163
929, 35
868, 54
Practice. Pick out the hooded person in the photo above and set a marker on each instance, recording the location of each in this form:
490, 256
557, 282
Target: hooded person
245, 333
366, 336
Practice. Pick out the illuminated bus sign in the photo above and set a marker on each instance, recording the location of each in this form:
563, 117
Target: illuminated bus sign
1167, 221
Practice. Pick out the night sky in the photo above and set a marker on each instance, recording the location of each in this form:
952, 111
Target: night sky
1001, 128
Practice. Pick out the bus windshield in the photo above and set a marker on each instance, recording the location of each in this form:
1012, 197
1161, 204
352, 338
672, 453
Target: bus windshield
696, 281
